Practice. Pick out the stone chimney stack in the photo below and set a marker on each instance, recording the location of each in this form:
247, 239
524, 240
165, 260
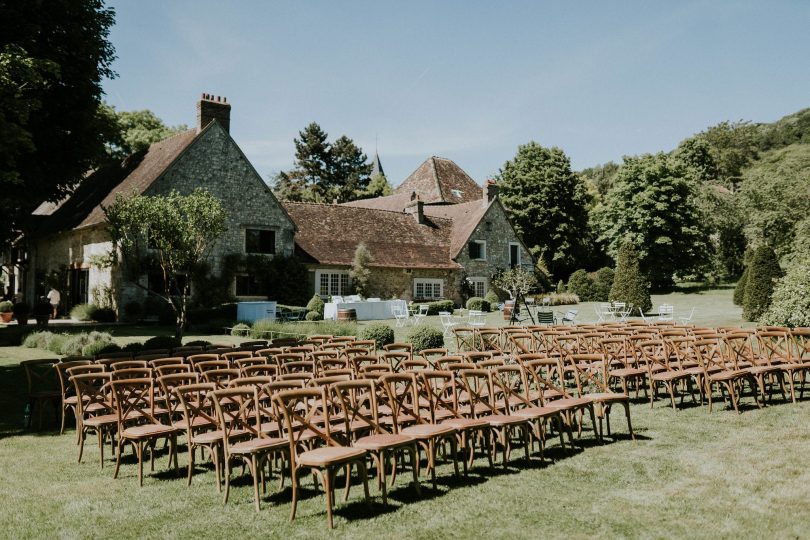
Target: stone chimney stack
417, 209
490, 191
212, 107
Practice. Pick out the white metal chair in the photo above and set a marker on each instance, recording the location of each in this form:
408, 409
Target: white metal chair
401, 315
476, 318
569, 316
448, 323
643, 318
666, 312
421, 314
686, 320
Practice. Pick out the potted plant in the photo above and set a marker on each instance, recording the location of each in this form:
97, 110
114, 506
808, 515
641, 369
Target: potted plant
21, 311
6, 311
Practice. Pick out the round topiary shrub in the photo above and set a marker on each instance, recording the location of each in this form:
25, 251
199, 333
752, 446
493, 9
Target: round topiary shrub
240, 329
97, 347
6, 306
602, 282
425, 337
37, 340
581, 284
629, 284
381, 333
74, 344
492, 298
135, 346
316, 304
762, 272
161, 342
790, 303
313, 316
478, 304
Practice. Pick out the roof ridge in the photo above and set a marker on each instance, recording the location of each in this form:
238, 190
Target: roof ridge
436, 176
330, 205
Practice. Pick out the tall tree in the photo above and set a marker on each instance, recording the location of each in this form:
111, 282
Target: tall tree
653, 205
763, 272
547, 204
136, 130
629, 283
378, 186
55, 56
180, 231
324, 171
733, 145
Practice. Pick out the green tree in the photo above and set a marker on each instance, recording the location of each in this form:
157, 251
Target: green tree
581, 284
629, 283
790, 303
602, 283
179, 230
515, 281
348, 177
378, 186
360, 273
763, 271
733, 145
52, 60
739, 289
653, 205
547, 204
137, 130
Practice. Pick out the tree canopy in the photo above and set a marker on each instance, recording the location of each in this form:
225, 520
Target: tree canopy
179, 232
52, 61
653, 205
136, 130
547, 204
324, 171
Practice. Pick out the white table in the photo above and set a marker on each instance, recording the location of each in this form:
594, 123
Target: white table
366, 311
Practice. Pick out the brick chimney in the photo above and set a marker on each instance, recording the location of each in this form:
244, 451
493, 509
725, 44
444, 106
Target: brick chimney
212, 107
490, 191
417, 210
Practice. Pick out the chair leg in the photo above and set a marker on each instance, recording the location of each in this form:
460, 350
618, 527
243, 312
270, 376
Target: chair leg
294, 479
415, 469
139, 450
327, 486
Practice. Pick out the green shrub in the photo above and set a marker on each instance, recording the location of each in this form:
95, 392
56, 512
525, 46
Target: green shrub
629, 284
425, 337
240, 329
261, 328
82, 312
110, 348
381, 333
739, 290
74, 344
477, 303
602, 282
57, 342
197, 343
96, 347
104, 314
492, 298
581, 284
313, 316
135, 346
6, 306
790, 303
162, 342
441, 305
560, 287
762, 272
37, 340
557, 299
316, 304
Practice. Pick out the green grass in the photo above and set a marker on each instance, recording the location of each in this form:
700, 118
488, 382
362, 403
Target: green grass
690, 474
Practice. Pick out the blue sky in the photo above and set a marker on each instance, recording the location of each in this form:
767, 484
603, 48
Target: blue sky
468, 80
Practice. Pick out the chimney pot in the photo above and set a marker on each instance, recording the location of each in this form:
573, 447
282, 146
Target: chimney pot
417, 210
210, 108
490, 192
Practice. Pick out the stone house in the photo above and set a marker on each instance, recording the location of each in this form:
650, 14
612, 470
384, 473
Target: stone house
70, 237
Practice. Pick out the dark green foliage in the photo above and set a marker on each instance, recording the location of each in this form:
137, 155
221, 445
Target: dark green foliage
492, 298
240, 329
135, 347
99, 347
381, 333
82, 312
136, 130
104, 314
162, 342
547, 204
197, 343
323, 171
157, 307
581, 284
602, 283
653, 203
790, 303
763, 271
132, 311
560, 287
425, 337
313, 316
629, 283
791, 129
440, 305
477, 303
224, 312
317, 306
109, 348
739, 290
53, 58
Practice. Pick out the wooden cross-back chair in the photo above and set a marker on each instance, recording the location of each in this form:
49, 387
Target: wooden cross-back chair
66, 390
94, 409
592, 369
622, 364
718, 372
200, 424
739, 351
42, 387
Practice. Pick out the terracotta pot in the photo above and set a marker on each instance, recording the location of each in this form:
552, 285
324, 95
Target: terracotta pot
6, 316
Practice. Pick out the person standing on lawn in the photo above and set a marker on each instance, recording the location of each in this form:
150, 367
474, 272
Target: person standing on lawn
54, 298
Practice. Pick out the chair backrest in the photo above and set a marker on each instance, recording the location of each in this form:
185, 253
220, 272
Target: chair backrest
431, 354
93, 392
205, 357
132, 373
167, 385
210, 365
306, 414
242, 363
62, 373
260, 370
374, 371
368, 344
220, 377
129, 364
236, 355
738, 350
478, 385
775, 346
169, 361
395, 358
439, 388
81, 370
357, 401
173, 368
403, 399
134, 401
423, 310
257, 381
237, 412
41, 375
195, 405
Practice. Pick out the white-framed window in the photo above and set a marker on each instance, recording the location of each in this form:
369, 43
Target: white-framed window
428, 289
514, 254
478, 250
480, 286
260, 241
331, 282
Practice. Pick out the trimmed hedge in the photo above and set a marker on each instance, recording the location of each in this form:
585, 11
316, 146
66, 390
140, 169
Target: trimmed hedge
739, 290
440, 305
602, 283
381, 333
629, 284
492, 298
790, 304
240, 329
478, 303
162, 342
581, 284
425, 337
315, 304
762, 272
313, 316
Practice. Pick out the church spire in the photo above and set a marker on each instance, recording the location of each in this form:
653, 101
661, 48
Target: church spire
376, 166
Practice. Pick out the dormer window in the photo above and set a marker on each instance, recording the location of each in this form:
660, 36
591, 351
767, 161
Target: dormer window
457, 193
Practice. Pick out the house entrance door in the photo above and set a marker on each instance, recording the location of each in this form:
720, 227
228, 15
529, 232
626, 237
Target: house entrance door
79, 278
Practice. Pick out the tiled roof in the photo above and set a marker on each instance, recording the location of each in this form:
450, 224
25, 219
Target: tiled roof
440, 180
395, 203
133, 174
330, 234
465, 218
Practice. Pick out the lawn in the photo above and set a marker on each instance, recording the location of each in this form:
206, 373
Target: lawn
688, 474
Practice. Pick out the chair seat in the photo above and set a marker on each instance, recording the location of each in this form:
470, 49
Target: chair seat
428, 431
496, 420
197, 422
464, 423
251, 446
71, 400
101, 420
536, 412
383, 441
329, 455
207, 437
568, 403
628, 372
727, 375
146, 431
669, 375
758, 370
606, 397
